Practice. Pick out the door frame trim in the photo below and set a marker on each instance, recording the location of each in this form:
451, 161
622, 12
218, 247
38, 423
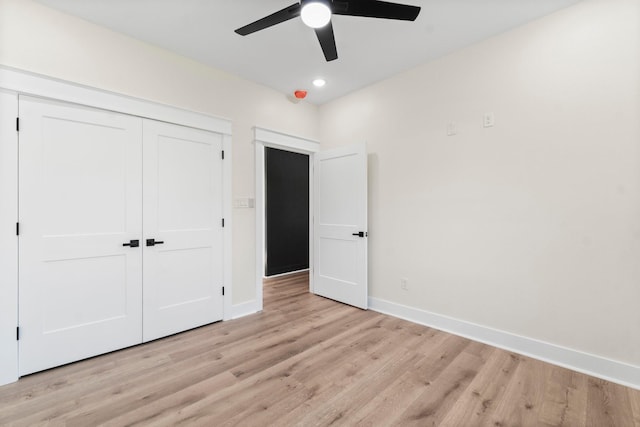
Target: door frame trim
27, 83
8, 237
272, 139
19, 82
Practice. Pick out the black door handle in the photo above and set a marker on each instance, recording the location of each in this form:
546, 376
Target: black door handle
132, 243
359, 234
153, 242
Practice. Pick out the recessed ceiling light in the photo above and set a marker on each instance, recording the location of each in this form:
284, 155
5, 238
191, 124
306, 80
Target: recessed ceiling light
319, 82
315, 13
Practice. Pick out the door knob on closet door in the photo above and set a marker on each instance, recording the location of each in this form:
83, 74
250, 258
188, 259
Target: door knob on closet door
153, 242
132, 243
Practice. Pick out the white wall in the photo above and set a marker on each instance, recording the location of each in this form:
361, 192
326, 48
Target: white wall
532, 226
42, 40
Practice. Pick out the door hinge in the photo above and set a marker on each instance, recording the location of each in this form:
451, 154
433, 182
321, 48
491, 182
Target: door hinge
222, 222
17, 228
223, 291
222, 154
17, 333
17, 124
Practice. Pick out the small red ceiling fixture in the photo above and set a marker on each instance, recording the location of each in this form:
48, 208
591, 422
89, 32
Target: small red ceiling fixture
300, 94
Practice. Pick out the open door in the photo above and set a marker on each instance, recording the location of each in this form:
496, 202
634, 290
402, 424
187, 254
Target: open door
340, 225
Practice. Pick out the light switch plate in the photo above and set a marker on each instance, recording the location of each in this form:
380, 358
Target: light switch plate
451, 129
243, 202
489, 120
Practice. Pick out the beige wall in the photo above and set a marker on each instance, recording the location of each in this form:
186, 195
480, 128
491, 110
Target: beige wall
38, 39
531, 226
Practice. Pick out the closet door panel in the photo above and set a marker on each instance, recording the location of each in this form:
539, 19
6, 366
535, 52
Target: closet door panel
182, 214
80, 179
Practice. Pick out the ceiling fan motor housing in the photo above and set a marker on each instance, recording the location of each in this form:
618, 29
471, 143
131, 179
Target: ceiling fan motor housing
305, 2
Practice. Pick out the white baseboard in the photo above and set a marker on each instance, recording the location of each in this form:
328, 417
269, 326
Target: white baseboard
244, 309
596, 366
288, 273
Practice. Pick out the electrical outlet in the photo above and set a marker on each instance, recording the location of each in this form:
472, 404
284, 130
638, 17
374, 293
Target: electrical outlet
404, 284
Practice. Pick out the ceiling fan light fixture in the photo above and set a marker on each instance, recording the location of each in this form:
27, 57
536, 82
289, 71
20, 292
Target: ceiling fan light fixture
315, 14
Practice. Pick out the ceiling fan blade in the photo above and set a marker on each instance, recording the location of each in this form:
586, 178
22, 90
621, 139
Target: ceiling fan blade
376, 9
327, 42
283, 15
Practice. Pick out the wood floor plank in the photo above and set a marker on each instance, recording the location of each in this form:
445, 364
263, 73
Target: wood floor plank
309, 361
479, 399
289, 369
635, 406
89, 408
362, 382
607, 404
565, 398
523, 396
155, 411
391, 403
442, 392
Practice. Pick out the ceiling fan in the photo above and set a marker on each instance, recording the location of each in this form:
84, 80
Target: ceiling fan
317, 15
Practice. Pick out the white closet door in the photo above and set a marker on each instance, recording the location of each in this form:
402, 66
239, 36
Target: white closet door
183, 215
80, 182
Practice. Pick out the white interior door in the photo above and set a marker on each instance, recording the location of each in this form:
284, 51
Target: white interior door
80, 180
340, 225
183, 274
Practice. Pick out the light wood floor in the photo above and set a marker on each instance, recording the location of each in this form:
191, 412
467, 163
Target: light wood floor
310, 361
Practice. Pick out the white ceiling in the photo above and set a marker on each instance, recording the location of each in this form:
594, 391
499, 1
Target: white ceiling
287, 56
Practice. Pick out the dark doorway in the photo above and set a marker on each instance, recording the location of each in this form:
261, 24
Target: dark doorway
286, 211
